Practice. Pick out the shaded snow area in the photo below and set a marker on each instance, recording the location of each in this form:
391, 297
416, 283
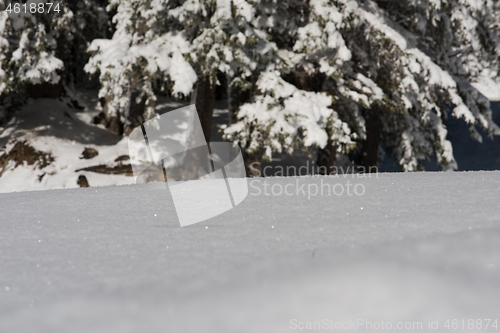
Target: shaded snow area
57, 128
412, 248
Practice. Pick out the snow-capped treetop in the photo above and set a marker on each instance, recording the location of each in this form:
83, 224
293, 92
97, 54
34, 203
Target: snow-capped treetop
139, 52
29, 43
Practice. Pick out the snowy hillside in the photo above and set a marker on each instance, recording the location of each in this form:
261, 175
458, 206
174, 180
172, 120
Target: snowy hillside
415, 247
60, 132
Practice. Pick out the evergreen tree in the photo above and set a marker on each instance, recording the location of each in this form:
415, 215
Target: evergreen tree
29, 50
386, 86
290, 107
90, 21
39, 51
179, 43
141, 51
223, 42
334, 76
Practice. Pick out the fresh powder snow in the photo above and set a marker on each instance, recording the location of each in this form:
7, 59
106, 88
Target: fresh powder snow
412, 248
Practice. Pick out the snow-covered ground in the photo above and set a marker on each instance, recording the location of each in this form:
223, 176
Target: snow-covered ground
413, 248
55, 127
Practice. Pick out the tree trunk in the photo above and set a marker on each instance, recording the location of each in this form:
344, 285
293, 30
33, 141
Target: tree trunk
326, 158
112, 123
205, 103
136, 108
370, 147
230, 109
136, 112
253, 163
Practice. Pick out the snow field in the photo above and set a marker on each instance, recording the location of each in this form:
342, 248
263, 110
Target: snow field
413, 248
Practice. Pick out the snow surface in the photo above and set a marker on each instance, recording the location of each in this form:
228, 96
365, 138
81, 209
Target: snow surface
414, 247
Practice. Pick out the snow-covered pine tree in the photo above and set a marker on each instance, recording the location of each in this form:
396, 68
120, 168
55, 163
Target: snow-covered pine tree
290, 107
462, 37
419, 86
90, 21
41, 50
143, 50
29, 46
337, 75
5, 82
179, 43
385, 85
223, 42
